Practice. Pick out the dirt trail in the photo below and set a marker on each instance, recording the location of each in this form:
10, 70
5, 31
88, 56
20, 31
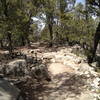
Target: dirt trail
72, 78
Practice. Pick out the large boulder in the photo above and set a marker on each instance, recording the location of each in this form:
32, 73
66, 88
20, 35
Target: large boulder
9, 91
16, 68
30, 59
40, 72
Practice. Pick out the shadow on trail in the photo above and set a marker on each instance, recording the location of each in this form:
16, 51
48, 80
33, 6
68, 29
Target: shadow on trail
67, 84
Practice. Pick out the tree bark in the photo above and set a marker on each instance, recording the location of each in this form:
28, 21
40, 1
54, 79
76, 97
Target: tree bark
1, 43
95, 43
22, 41
96, 39
51, 34
28, 41
10, 42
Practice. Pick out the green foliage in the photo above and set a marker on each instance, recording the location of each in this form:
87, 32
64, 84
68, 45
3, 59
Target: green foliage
18, 19
44, 35
62, 24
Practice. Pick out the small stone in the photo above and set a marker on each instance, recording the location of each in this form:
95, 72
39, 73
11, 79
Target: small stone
53, 60
40, 98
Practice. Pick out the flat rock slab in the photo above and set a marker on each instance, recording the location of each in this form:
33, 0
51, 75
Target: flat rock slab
58, 68
87, 96
8, 91
17, 62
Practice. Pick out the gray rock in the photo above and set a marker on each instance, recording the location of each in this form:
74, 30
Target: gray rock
85, 67
16, 68
40, 72
29, 59
8, 91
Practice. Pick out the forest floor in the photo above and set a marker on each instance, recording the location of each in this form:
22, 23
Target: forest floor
71, 77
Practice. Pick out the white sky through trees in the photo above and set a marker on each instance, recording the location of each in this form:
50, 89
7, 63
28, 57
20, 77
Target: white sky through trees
41, 23
82, 1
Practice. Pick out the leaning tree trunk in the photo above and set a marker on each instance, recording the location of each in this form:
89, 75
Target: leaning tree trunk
96, 39
95, 44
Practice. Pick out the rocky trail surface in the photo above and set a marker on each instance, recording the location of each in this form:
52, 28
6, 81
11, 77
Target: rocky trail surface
71, 77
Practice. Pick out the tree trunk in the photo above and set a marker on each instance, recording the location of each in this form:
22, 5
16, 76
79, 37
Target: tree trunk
51, 34
22, 41
1, 43
95, 44
10, 42
96, 39
28, 42
49, 17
